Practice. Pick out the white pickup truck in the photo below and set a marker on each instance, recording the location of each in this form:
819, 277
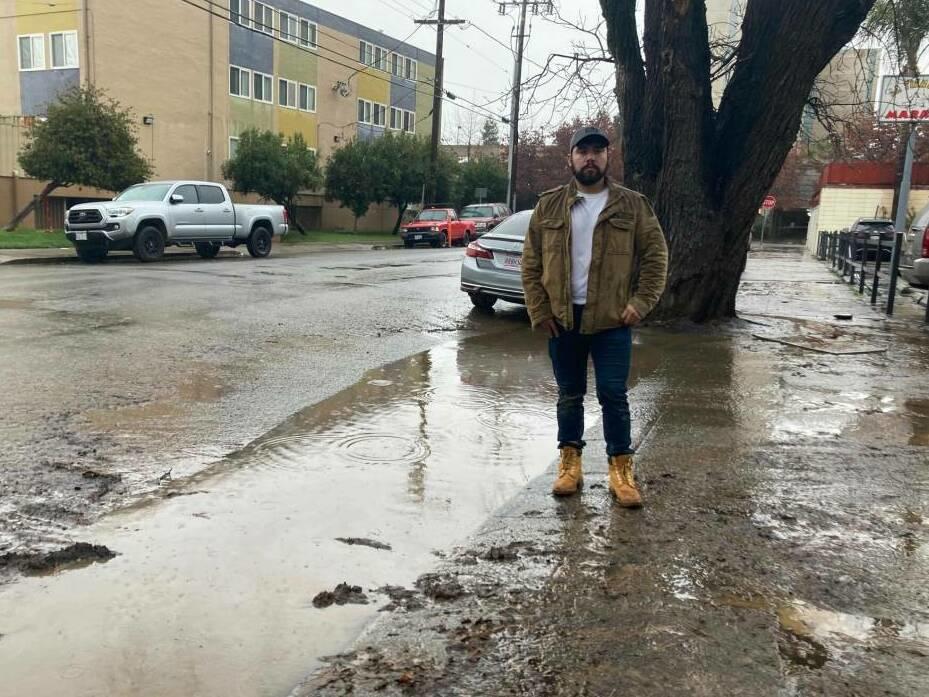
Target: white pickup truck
146, 218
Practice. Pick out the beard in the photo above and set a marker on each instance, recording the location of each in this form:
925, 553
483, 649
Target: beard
588, 174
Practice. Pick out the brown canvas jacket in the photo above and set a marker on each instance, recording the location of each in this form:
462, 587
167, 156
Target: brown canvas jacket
627, 234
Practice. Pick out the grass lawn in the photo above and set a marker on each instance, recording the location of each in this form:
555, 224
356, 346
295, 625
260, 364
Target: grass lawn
340, 237
26, 238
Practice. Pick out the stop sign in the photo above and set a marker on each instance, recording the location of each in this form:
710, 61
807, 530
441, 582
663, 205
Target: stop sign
769, 202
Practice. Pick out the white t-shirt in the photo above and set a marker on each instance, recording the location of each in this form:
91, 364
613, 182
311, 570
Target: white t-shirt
584, 214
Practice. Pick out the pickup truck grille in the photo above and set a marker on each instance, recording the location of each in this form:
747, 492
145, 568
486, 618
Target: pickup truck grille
85, 217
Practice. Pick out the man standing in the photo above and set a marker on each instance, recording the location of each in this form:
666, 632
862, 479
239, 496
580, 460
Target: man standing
586, 243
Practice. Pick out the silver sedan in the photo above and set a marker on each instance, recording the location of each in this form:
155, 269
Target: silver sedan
492, 267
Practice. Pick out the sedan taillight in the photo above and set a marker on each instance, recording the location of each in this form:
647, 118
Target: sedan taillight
478, 252
926, 242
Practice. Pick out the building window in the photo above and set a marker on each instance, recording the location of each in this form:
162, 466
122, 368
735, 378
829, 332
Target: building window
410, 69
307, 33
64, 49
32, 52
366, 53
288, 27
364, 111
240, 82
263, 88
264, 18
409, 121
307, 98
396, 64
238, 12
380, 114
287, 93
396, 118
380, 58
233, 146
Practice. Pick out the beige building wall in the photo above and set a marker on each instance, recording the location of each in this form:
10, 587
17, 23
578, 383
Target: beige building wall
840, 206
167, 71
336, 114
9, 70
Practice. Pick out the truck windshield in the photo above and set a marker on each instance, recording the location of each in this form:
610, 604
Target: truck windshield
144, 192
432, 214
478, 212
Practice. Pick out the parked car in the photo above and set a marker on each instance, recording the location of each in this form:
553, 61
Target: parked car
146, 218
865, 234
914, 262
438, 226
486, 216
492, 267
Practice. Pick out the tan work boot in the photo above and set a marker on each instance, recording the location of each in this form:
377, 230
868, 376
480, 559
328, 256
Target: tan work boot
570, 476
622, 481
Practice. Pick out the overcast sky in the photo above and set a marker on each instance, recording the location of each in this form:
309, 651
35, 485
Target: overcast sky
476, 67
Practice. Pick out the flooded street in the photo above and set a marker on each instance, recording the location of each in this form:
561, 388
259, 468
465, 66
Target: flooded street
782, 550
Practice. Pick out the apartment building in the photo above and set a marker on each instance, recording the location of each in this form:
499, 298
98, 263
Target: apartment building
197, 73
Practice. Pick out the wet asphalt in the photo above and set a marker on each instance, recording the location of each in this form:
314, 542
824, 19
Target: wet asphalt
357, 396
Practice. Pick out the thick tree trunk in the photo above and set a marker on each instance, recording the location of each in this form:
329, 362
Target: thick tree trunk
292, 214
400, 211
707, 171
38, 200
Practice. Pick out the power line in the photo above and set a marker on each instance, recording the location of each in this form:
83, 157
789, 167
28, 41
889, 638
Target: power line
39, 14
224, 16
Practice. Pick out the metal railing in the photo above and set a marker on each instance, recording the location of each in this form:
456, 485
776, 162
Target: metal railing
870, 265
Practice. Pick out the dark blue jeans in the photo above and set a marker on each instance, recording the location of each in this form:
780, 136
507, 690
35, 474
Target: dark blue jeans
611, 351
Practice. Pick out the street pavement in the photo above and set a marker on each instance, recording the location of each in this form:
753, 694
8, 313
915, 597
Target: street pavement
284, 426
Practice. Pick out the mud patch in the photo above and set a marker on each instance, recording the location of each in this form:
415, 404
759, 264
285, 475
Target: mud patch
344, 594
440, 586
73, 556
400, 598
364, 542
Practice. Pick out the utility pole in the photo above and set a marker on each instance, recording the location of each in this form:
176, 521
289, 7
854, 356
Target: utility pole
547, 8
438, 91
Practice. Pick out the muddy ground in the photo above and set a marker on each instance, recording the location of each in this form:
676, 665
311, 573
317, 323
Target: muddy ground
783, 549
119, 378
302, 475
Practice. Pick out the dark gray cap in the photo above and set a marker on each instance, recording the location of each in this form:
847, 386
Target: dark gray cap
588, 132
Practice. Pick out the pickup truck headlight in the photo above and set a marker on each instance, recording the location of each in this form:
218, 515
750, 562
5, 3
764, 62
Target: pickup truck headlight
121, 212
435, 228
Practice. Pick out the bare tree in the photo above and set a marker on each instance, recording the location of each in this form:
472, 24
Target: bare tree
707, 170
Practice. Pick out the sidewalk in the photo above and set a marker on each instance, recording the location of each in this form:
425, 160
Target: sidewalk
782, 550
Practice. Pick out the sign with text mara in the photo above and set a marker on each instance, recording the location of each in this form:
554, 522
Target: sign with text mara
903, 99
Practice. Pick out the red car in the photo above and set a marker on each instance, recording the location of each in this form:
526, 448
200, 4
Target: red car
438, 226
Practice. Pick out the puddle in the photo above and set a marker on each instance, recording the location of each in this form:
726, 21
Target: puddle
212, 591
811, 636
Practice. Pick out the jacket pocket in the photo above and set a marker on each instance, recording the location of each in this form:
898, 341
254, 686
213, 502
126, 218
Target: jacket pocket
553, 235
620, 233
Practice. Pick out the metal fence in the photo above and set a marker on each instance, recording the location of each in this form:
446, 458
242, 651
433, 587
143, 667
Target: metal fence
869, 265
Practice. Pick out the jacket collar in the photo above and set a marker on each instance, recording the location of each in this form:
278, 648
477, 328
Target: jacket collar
572, 195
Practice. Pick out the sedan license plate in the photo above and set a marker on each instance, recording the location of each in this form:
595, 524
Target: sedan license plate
80, 236
513, 261
417, 237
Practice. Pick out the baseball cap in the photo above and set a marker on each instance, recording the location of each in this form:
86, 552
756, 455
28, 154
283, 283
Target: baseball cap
588, 132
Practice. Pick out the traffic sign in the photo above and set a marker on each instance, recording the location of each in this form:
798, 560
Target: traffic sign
769, 202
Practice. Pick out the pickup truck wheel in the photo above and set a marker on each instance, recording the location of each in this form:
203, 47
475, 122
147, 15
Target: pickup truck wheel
91, 253
482, 301
443, 243
207, 250
149, 245
259, 242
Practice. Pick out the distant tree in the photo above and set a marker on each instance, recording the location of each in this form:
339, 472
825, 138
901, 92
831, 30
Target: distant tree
402, 161
273, 168
490, 135
485, 173
352, 178
87, 139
